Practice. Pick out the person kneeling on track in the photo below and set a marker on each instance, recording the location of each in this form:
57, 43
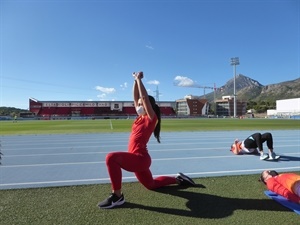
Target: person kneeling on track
137, 159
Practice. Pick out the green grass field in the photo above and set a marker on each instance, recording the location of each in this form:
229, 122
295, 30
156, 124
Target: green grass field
168, 125
223, 200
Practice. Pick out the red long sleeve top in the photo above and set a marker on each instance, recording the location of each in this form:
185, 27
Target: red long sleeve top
283, 185
142, 130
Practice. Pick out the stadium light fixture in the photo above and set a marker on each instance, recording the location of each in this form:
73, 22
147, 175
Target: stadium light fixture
234, 62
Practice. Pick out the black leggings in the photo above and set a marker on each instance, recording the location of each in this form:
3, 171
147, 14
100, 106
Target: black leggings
267, 137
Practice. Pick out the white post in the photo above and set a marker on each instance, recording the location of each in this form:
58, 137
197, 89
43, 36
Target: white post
234, 62
234, 93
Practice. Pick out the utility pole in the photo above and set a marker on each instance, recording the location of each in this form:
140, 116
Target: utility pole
157, 93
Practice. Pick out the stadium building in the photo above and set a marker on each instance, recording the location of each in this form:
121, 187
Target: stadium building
95, 109
192, 106
286, 108
189, 106
225, 107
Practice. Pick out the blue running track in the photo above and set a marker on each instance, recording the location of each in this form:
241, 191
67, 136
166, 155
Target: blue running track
31, 161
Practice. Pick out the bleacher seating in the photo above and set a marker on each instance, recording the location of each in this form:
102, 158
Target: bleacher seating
63, 111
47, 111
102, 110
87, 111
129, 111
167, 111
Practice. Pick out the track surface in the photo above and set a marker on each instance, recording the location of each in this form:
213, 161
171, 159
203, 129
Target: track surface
31, 161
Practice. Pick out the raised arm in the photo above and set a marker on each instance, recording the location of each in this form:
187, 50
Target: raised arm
135, 92
139, 91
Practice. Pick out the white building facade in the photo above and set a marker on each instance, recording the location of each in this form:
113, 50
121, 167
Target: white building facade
285, 108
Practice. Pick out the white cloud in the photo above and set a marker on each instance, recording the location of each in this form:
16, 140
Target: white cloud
183, 81
101, 96
124, 86
105, 90
149, 47
156, 82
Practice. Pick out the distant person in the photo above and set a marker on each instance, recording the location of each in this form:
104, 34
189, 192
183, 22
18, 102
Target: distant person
285, 184
254, 145
137, 158
15, 119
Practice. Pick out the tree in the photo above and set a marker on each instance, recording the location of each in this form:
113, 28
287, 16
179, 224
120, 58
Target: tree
10, 111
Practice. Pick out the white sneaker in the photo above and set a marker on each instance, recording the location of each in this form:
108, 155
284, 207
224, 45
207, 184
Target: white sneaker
273, 156
263, 156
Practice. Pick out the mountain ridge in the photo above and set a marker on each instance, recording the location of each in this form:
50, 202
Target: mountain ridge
248, 89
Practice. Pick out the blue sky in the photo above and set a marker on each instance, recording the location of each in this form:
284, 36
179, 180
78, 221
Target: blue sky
83, 50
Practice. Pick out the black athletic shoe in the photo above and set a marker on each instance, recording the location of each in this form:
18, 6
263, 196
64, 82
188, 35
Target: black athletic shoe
185, 180
112, 201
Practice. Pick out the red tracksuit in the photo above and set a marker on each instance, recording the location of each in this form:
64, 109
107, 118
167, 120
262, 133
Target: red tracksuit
137, 159
283, 185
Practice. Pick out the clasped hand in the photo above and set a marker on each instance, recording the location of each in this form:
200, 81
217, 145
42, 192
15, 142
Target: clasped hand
138, 75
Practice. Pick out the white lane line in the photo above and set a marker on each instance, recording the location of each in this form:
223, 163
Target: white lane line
51, 164
83, 163
106, 152
158, 159
152, 147
242, 171
132, 177
54, 182
150, 150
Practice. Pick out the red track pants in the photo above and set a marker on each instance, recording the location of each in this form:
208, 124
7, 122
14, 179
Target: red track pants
137, 163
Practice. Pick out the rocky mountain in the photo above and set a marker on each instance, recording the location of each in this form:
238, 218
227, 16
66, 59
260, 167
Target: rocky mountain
248, 89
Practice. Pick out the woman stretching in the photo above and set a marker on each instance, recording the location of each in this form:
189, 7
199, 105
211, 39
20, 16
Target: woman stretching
137, 159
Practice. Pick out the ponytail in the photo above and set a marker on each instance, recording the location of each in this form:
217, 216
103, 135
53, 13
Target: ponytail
156, 109
157, 128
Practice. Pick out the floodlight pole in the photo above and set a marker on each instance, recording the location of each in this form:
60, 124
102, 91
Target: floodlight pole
234, 62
